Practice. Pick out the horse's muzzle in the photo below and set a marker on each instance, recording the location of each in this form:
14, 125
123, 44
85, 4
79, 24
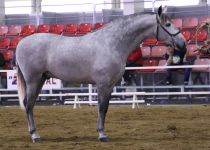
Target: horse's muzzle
180, 42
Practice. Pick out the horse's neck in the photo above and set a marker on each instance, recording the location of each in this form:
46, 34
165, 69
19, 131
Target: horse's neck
130, 32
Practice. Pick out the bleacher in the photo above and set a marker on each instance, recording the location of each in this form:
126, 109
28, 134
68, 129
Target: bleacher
12, 34
152, 50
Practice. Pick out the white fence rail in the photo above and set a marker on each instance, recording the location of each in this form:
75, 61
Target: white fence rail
134, 101
168, 67
134, 95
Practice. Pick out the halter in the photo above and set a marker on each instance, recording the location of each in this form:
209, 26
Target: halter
170, 34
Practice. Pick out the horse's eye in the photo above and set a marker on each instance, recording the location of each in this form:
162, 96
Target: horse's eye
168, 24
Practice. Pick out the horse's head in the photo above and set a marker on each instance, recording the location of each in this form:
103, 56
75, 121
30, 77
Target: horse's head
167, 31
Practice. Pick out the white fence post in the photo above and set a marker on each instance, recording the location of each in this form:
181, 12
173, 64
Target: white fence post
134, 101
90, 89
75, 101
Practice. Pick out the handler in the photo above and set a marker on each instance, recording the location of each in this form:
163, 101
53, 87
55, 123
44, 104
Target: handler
177, 57
134, 60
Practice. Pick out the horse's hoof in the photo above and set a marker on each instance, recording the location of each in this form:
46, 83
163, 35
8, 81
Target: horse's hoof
36, 140
103, 139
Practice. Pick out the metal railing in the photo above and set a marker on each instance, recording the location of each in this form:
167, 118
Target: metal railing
134, 95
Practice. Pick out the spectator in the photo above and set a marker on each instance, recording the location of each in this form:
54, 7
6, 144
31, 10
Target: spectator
177, 57
134, 60
2, 64
204, 49
13, 61
2, 60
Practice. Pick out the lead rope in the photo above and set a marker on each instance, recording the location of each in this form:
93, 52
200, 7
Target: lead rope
198, 28
195, 36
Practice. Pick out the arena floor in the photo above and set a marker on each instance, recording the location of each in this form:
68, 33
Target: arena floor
145, 128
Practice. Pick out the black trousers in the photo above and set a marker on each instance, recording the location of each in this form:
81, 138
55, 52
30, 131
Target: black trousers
187, 72
128, 75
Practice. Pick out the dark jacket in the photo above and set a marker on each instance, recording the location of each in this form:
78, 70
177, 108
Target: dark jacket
135, 58
177, 55
2, 60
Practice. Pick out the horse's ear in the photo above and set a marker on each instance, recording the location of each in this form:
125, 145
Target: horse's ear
165, 10
160, 9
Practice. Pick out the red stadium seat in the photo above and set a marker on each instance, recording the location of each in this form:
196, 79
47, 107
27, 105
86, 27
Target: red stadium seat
136, 57
199, 36
201, 61
177, 22
186, 35
71, 28
8, 54
14, 30
189, 23
57, 28
148, 63
150, 41
158, 51
43, 28
4, 43
84, 28
191, 49
14, 42
161, 63
98, 25
3, 30
146, 51
28, 30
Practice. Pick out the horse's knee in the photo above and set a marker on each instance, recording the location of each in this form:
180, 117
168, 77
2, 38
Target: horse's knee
29, 104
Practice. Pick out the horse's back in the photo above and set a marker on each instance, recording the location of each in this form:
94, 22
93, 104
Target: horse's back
40, 46
37, 41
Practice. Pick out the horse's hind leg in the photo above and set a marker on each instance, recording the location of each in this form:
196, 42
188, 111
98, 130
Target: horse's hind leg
32, 92
104, 94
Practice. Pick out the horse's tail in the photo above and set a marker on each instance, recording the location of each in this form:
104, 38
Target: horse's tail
21, 85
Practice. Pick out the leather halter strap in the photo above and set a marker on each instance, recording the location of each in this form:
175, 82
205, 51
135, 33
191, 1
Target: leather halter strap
160, 25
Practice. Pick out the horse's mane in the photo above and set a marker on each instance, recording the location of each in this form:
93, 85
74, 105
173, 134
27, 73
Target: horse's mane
164, 17
132, 15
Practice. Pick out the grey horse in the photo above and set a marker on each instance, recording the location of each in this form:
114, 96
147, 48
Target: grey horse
97, 58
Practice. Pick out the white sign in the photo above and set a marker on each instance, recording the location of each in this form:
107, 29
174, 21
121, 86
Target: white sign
52, 83
12, 80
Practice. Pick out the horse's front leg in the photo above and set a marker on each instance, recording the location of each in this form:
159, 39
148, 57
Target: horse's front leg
104, 94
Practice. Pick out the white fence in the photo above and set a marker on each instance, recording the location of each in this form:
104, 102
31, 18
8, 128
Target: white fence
134, 101
134, 95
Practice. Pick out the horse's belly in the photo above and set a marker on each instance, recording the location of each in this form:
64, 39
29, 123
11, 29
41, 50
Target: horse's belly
80, 80
73, 76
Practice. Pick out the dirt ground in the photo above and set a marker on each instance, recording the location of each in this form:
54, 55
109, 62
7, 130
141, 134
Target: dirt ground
145, 128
